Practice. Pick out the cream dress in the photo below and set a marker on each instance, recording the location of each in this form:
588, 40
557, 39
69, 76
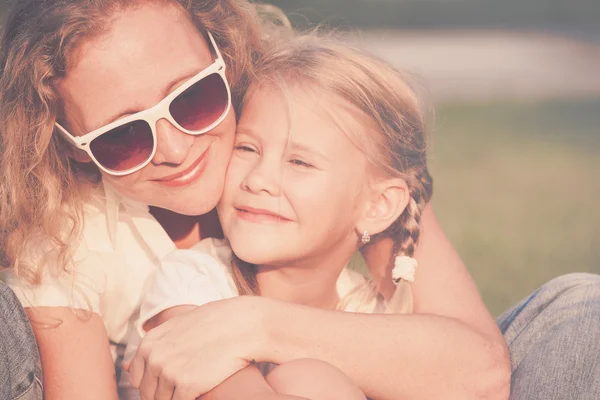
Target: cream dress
203, 274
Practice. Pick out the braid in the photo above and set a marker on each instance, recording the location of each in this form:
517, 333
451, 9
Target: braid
406, 229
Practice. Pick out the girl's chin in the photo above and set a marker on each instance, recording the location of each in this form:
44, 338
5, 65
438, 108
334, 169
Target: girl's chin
252, 257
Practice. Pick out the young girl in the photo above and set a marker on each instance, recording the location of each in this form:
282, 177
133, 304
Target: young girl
329, 156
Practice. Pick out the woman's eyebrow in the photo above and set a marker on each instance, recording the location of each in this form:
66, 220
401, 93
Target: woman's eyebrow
175, 83
169, 88
116, 117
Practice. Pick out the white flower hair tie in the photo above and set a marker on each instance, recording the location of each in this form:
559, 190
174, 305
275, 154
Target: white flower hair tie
404, 268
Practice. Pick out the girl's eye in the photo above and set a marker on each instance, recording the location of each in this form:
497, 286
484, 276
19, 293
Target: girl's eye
301, 163
245, 148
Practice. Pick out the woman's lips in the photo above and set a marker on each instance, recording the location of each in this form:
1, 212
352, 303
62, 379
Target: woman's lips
259, 215
189, 175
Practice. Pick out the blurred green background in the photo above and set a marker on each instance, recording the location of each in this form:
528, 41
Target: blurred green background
517, 188
443, 13
513, 89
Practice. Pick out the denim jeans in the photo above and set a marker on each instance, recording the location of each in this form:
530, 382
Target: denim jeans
553, 336
554, 341
20, 367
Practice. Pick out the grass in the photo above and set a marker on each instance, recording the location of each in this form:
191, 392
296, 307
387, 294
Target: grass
517, 188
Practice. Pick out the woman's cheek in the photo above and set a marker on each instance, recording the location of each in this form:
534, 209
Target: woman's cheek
235, 173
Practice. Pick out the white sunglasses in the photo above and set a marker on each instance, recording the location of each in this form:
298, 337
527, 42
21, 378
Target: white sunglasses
127, 145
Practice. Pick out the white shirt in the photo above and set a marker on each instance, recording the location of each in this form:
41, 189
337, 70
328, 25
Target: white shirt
121, 246
203, 274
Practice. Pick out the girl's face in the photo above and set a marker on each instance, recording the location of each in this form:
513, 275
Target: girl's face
295, 181
148, 52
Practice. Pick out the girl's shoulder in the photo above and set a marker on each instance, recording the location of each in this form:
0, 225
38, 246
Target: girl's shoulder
218, 249
194, 276
206, 264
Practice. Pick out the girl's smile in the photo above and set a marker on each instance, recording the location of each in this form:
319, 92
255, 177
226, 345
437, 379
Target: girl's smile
260, 215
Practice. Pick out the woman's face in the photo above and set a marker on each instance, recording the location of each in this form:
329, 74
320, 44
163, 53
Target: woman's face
146, 54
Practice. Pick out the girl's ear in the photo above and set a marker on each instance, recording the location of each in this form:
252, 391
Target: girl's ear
389, 198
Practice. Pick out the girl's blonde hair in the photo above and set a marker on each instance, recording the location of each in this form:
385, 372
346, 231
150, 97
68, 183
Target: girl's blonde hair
393, 139
41, 190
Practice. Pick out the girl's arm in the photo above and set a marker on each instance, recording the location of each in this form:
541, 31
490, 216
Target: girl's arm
246, 384
75, 354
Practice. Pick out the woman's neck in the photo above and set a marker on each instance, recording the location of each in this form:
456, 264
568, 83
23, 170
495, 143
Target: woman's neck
186, 230
311, 282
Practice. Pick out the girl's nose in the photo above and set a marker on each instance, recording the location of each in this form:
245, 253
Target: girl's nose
264, 178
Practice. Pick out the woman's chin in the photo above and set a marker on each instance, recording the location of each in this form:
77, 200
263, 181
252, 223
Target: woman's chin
191, 207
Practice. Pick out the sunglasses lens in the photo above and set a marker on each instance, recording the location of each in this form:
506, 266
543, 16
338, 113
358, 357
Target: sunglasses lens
124, 147
201, 104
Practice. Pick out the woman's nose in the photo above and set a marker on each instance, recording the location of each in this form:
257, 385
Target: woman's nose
172, 145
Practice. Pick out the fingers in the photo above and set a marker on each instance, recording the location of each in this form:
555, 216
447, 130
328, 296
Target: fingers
182, 393
139, 363
164, 390
136, 370
149, 382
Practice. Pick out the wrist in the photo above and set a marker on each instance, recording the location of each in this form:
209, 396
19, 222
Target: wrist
258, 315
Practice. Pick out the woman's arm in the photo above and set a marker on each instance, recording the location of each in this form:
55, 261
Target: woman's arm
75, 354
415, 356
247, 383
450, 349
443, 286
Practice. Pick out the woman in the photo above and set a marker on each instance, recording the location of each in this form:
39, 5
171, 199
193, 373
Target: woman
90, 66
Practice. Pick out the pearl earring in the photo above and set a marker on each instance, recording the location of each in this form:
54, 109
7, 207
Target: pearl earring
365, 238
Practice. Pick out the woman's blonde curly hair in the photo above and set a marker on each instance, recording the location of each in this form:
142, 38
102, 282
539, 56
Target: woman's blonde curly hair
42, 191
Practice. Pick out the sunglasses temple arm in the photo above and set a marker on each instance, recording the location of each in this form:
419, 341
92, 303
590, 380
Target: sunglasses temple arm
66, 135
214, 45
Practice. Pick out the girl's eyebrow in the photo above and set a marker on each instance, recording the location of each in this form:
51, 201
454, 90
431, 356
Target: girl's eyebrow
247, 131
291, 145
295, 146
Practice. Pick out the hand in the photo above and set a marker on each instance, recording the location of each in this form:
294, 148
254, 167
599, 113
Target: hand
192, 353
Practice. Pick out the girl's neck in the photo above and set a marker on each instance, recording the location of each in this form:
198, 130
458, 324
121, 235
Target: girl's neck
186, 230
311, 282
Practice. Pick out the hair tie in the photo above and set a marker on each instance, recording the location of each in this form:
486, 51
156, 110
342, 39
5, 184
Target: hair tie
404, 268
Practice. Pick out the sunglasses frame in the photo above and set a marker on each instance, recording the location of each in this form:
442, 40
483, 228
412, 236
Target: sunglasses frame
154, 114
